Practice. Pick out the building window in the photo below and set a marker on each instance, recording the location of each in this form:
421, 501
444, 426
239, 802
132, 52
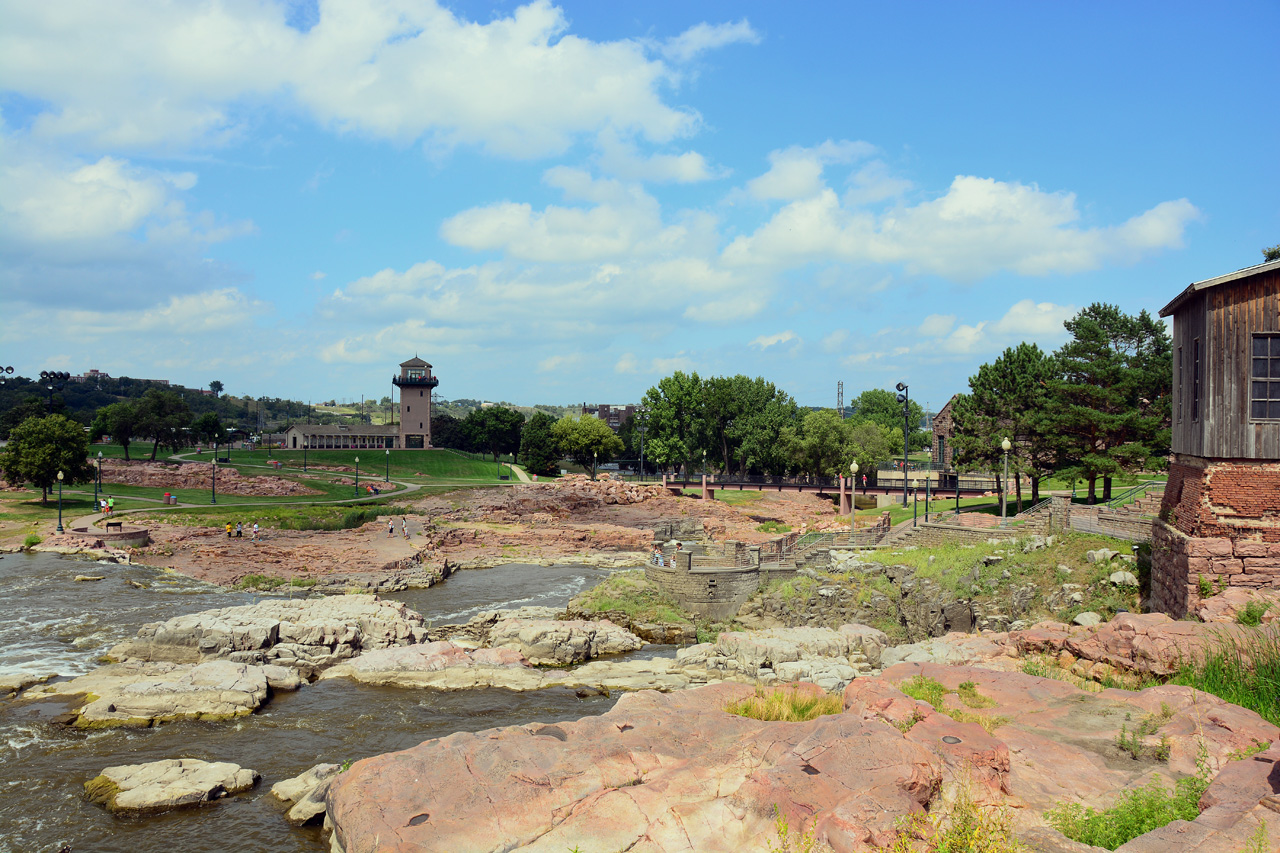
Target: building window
1264, 394
1195, 380
1179, 384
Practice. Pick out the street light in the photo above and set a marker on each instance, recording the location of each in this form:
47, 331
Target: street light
306, 439
388, 477
60, 502
595, 454
357, 476
1004, 485
853, 507
97, 481
213, 490
915, 500
904, 397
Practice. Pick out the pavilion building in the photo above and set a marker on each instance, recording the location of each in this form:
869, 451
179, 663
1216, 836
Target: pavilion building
416, 382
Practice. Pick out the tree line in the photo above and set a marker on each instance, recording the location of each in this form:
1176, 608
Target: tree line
1097, 407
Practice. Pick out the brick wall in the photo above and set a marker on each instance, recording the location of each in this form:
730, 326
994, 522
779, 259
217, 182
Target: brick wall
1178, 561
1216, 498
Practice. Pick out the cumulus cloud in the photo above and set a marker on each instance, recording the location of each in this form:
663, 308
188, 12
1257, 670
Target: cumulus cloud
168, 74
622, 159
936, 325
796, 172
1035, 319
980, 226
763, 342
835, 341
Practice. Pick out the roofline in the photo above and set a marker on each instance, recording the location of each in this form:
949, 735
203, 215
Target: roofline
1196, 287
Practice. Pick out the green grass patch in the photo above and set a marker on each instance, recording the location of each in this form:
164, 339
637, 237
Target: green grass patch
934, 692
959, 827
786, 705
1243, 671
296, 517
261, 582
1251, 614
738, 497
375, 463
1138, 812
32, 540
772, 526
630, 593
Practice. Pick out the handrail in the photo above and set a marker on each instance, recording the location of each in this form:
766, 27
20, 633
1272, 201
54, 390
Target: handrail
1133, 494
1034, 508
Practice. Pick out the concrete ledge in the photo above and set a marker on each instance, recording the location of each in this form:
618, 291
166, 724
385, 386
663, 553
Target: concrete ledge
125, 537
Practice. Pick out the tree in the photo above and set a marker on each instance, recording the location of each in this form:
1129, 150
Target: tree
447, 431
538, 449
1009, 397
495, 430
163, 417
40, 447
876, 404
759, 430
31, 407
586, 440
675, 419
216, 387
118, 420
1111, 403
208, 428
1271, 253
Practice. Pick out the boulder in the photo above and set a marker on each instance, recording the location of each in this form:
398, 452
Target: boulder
1087, 619
442, 665
171, 783
305, 793
308, 634
1123, 579
547, 641
139, 693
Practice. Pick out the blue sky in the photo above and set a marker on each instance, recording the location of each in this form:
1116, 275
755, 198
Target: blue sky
565, 202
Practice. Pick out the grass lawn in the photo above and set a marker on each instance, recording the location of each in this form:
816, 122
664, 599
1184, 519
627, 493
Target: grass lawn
733, 497
23, 507
304, 517
899, 513
434, 464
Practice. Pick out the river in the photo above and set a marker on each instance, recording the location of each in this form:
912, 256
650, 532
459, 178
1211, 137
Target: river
53, 624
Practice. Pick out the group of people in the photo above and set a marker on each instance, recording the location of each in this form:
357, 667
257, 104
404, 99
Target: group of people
239, 530
106, 505
660, 559
404, 527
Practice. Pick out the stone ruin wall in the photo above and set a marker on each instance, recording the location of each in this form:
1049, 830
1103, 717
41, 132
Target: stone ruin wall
1220, 519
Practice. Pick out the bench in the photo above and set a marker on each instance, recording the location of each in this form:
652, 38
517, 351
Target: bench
118, 525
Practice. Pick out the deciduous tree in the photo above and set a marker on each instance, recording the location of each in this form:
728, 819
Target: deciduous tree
40, 447
163, 417
539, 451
586, 440
118, 420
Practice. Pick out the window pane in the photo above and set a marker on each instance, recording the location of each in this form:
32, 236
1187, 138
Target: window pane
1275, 368
1275, 390
1259, 390
1275, 408
1260, 344
1258, 409
1275, 344
1259, 368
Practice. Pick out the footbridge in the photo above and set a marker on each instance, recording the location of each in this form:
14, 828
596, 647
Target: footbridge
842, 487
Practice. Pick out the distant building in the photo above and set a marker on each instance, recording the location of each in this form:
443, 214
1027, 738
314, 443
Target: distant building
944, 430
614, 416
1220, 516
416, 382
90, 376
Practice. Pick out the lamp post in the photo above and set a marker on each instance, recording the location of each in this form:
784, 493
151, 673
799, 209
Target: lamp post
213, 489
904, 397
594, 456
853, 491
357, 476
97, 480
387, 479
60, 502
1004, 484
915, 501
306, 439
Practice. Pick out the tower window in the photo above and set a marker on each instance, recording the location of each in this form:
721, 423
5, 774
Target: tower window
1264, 387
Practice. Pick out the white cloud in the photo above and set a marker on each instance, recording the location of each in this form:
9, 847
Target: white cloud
873, 183
171, 74
835, 341
763, 342
627, 363
979, 227
560, 362
936, 325
1035, 319
796, 172
318, 276
621, 159
703, 37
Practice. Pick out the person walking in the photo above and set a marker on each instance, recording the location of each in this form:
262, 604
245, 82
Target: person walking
255, 531
239, 529
111, 505
391, 528
228, 530
404, 526
864, 484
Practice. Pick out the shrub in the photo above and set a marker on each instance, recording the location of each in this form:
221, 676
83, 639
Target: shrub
32, 540
962, 827
786, 705
933, 691
1138, 812
805, 842
772, 526
1252, 613
260, 582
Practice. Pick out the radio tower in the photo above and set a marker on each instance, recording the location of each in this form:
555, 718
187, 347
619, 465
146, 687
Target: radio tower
840, 398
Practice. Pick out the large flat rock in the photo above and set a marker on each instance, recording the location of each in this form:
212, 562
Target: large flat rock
309, 634
559, 642
167, 784
140, 693
661, 773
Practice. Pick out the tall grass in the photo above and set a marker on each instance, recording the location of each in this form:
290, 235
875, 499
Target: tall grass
1244, 671
786, 705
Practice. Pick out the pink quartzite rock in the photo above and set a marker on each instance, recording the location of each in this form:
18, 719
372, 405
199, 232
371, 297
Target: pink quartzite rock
674, 772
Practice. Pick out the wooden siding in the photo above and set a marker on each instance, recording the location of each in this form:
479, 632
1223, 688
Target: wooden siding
1229, 314
1188, 324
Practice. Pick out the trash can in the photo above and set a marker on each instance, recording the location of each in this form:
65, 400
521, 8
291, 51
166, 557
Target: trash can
167, 498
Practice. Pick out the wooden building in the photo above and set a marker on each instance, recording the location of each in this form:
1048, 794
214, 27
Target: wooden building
1220, 518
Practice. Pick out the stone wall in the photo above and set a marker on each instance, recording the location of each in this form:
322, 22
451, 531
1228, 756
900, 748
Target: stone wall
1220, 519
1178, 561
1217, 498
1108, 522
713, 593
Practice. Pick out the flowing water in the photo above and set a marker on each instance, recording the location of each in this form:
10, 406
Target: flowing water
50, 623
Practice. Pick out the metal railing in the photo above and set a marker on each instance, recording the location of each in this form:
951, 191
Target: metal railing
1132, 495
1035, 508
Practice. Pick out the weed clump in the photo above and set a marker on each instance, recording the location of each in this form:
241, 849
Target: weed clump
630, 593
1252, 614
1138, 812
933, 691
963, 827
32, 540
1244, 671
786, 705
260, 582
